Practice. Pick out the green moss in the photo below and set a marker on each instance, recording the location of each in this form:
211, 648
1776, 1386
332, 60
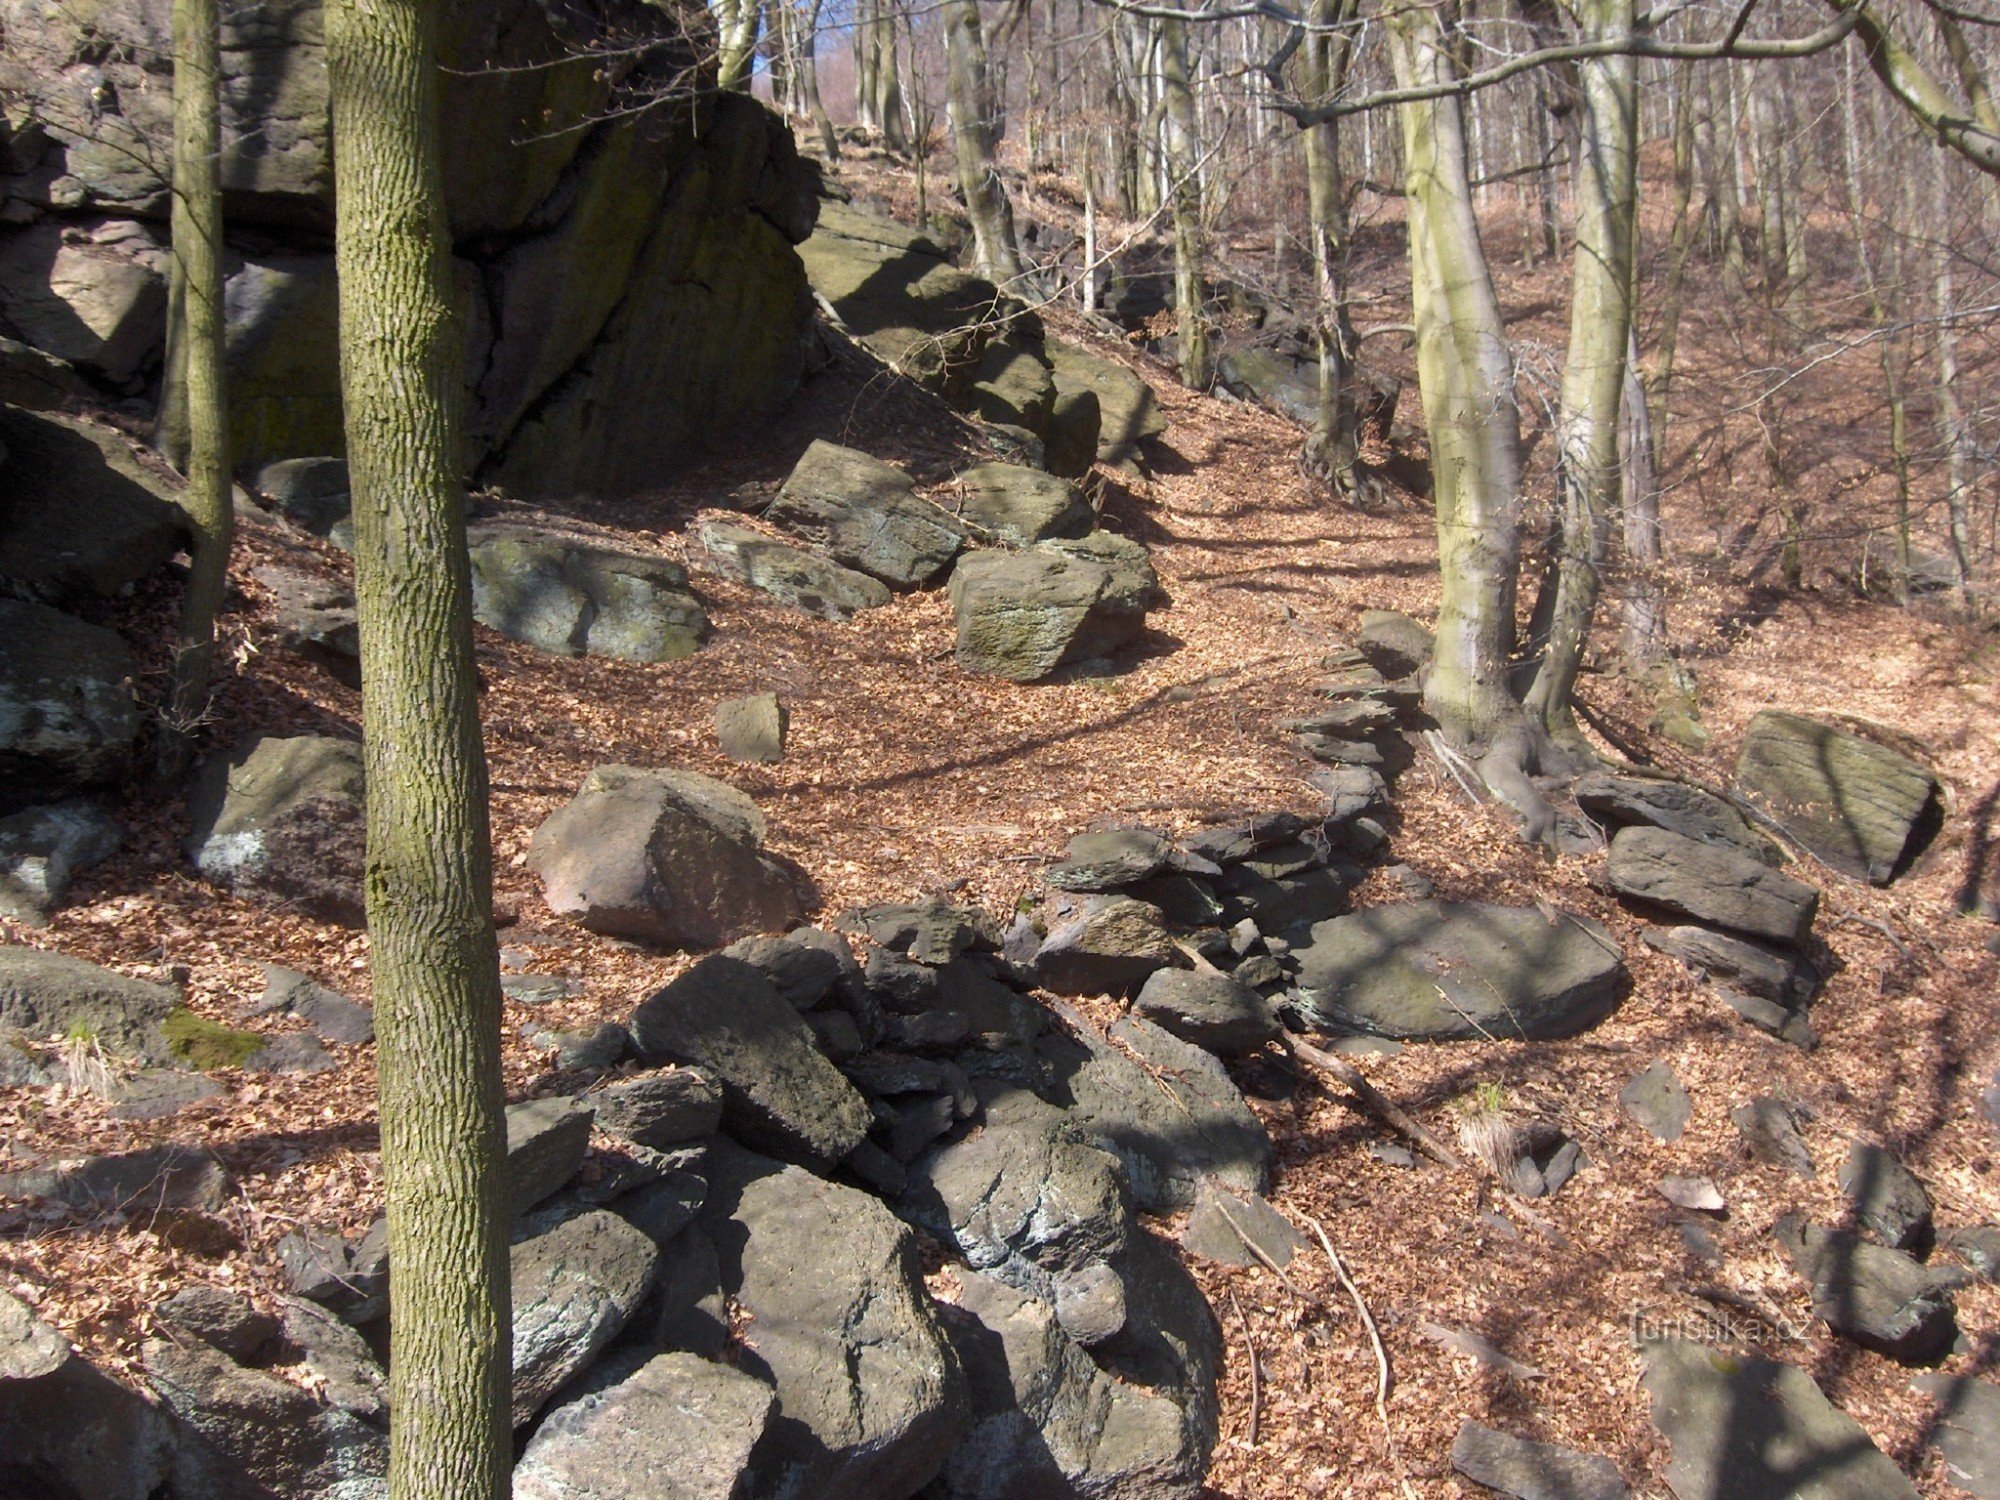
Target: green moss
204, 1044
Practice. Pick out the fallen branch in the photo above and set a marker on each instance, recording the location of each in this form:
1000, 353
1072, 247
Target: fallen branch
1384, 1379
1374, 1102
1256, 1376
1258, 1250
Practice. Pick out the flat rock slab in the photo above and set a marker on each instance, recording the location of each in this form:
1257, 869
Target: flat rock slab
779, 1093
1022, 506
1878, 1297
865, 514
1657, 802
332, 1016
146, 1181
1239, 1229
791, 575
1860, 806
667, 1107
1528, 1470
546, 1143
1711, 884
1744, 1428
1741, 966
81, 470
1967, 1434
1392, 643
1659, 1103
1772, 1135
679, 1427
1458, 971
575, 598
1110, 859
574, 1288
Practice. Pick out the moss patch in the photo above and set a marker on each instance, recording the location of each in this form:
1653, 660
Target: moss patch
205, 1044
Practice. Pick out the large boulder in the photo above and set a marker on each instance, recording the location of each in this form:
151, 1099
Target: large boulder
667, 857
1711, 883
866, 514
575, 598
51, 994
629, 281
59, 469
283, 821
1048, 1421
73, 1433
1127, 412
1024, 1197
1209, 1009
899, 296
41, 847
678, 1426
1879, 1297
574, 1287
92, 293
1286, 385
779, 1093
67, 713
1860, 806
1102, 944
1166, 1109
1458, 971
1022, 615
1745, 1428
251, 1433
791, 575
871, 1397
1021, 506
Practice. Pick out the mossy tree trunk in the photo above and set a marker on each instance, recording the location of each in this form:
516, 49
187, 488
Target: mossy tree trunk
429, 868
198, 348
973, 135
1593, 382
1466, 375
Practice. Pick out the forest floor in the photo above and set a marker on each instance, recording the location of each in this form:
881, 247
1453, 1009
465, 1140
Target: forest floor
905, 777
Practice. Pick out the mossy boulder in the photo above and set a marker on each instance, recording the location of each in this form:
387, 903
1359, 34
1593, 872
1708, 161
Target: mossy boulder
1127, 412
573, 598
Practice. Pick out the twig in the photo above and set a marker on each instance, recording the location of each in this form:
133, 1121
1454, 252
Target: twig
1384, 1379
1389, 1113
1450, 759
1881, 926
1256, 1376
1258, 1250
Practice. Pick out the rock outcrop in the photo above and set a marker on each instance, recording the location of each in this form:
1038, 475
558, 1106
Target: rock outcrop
627, 274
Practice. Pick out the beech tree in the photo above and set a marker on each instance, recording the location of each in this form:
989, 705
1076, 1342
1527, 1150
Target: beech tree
197, 419
432, 953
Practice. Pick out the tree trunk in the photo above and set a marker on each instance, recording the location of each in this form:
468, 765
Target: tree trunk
1644, 637
738, 42
972, 135
1466, 375
1587, 470
199, 349
1184, 166
1680, 239
1950, 414
429, 870
808, 61
1331, 448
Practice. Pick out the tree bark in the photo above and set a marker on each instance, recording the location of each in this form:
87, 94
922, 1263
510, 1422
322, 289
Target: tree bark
1466, 375
1331, 448
1184, 168
739, 21
972, 135
429, 867
199, 348
1587, 467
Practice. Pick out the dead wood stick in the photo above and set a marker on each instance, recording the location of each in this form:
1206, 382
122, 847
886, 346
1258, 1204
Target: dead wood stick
1384, 1379
1256, 1375
1258, 1250
1841, 914
1372, 1100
